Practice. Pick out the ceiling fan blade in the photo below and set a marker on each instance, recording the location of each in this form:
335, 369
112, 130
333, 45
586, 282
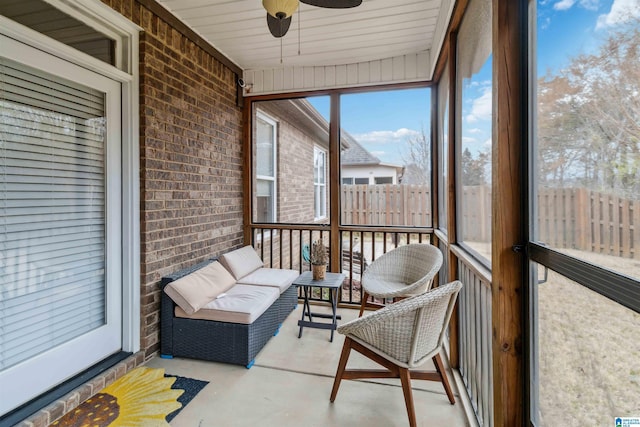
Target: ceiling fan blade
278, 27
333, 4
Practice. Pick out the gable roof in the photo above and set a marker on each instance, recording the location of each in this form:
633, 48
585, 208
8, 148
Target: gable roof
356, 154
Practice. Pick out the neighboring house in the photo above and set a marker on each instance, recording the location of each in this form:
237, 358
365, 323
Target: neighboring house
359, 166
291, 163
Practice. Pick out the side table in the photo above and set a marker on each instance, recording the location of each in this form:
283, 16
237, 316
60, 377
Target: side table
332, 281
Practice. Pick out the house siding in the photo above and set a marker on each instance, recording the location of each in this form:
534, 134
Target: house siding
190, 158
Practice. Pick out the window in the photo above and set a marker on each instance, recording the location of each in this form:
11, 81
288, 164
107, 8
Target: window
61, 27
266, 142
586, 209
383, 180
384, 133
443, 149
347, 181
474, 121
290, 160
320, 183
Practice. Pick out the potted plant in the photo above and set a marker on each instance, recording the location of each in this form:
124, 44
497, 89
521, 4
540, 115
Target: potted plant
318, 260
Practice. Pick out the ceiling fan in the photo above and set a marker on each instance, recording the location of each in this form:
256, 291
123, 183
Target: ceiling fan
279, 12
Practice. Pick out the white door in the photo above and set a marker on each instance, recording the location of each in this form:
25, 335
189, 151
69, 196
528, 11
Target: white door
60, 221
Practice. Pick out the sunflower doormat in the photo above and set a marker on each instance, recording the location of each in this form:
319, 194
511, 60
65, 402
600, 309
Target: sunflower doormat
143, 397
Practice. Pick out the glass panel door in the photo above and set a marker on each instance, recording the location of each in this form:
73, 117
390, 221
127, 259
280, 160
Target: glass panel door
60, 303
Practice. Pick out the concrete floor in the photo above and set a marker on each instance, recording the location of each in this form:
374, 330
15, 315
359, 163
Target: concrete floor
290, 383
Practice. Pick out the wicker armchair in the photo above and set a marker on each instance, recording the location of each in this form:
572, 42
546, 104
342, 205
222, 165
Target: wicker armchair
399, 337
404, 271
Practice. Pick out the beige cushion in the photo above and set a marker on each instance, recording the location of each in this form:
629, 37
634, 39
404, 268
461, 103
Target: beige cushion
240, 304
195, 290
276, 277
241, 261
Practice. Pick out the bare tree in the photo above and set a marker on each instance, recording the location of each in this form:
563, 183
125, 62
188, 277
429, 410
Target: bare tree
474, 169
417, 159
589, 118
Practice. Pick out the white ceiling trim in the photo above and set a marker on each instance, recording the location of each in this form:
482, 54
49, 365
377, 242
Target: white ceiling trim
398, 69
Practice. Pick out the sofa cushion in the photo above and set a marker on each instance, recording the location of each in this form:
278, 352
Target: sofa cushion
240, 304
196, 289
276, 277
241, 261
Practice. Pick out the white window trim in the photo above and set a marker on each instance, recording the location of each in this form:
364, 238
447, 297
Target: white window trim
274, 124
126, 35
316, 150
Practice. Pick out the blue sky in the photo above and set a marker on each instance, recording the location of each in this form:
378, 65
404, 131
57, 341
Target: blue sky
383, 121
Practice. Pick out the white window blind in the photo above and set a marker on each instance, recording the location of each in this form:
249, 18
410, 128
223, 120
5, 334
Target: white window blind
319, 183
52, 211
265, 169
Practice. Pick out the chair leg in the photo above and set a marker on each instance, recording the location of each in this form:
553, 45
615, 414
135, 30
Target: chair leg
344, 356
437, 360
405, 379
363, 302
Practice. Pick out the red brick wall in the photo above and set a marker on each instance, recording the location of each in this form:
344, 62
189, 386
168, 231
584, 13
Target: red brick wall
295, 174
190, 158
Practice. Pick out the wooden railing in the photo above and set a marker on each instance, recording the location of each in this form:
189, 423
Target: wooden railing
474, 336
281, 246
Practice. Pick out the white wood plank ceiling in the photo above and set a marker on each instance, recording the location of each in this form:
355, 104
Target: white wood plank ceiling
376, 30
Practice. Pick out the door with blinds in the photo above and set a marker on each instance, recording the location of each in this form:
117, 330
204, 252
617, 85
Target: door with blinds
60, 221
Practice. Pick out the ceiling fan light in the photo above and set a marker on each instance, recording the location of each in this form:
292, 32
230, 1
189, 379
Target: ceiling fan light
280, 9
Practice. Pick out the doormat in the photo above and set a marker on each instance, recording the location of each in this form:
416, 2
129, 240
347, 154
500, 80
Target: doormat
143, 397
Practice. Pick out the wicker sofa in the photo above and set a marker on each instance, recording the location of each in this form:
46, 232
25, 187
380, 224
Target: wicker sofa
224, 309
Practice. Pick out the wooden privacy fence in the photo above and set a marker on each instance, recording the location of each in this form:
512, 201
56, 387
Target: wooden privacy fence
386, 204
589, 220
571, 218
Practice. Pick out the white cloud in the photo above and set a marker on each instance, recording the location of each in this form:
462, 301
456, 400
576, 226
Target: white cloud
475, 131
621, 11
480, 108
386, 136
564, 4
379, 154
468, 140
568, 4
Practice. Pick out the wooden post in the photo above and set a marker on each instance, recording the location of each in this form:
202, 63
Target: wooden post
635, 214
624, 229
509, 224
582, 224
452, 261
247, 172
334, 184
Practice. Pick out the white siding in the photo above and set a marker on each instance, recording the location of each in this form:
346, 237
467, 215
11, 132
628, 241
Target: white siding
399, 69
